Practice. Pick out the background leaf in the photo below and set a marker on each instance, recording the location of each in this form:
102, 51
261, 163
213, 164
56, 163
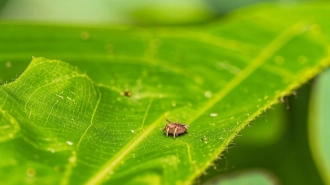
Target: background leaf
275, 157
69, 125
318, 125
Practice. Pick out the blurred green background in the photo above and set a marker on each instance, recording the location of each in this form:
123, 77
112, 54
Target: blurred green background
270, 133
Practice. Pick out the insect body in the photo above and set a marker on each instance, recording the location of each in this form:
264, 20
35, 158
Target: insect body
126, 93
175, 128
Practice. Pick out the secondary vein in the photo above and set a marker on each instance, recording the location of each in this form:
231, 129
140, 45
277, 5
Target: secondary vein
91, 123
264, 55
115, 160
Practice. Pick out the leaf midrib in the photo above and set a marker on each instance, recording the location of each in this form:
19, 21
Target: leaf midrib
265, 54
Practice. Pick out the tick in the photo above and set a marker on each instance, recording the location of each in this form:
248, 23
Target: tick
175, 128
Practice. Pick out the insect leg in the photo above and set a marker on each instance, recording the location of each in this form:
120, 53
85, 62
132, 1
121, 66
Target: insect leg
176, 128
167, 129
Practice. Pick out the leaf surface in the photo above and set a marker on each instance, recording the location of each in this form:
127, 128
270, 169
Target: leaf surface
74, 125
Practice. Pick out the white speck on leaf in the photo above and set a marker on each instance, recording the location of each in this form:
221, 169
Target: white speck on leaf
69, 143
207, 94
214, 114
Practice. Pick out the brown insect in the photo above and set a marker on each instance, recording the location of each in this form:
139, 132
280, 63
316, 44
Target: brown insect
175, 128
126, 93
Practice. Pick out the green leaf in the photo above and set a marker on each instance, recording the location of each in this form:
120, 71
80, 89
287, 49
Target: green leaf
245, 177
289, 153
318, 125
65, 124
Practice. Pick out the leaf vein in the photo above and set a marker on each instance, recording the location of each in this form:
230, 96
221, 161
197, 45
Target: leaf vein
115, 160
92, 118
263, 56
